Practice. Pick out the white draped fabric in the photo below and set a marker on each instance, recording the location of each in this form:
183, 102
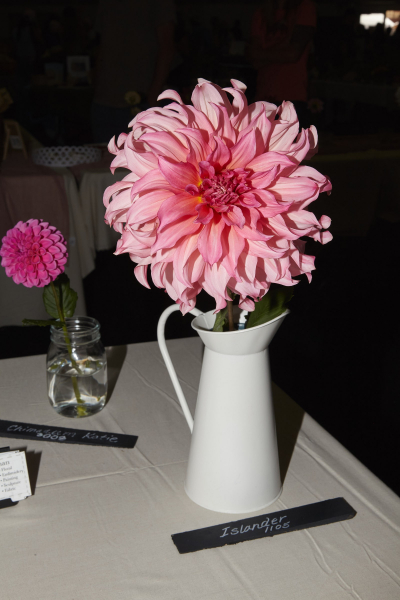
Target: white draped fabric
100, 521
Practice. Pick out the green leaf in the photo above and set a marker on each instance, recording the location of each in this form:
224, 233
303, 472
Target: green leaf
67, 298
41, 322
220, 320
49, 301
273, 304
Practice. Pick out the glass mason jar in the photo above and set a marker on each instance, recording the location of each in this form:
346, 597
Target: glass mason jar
77, 368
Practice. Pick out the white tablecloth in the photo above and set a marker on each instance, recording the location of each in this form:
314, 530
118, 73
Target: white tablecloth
100, 522
91, 190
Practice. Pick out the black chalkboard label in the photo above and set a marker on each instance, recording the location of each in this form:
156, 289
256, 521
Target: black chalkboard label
65, 435
283, 521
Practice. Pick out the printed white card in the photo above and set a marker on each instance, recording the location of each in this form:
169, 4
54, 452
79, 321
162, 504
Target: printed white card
14, 478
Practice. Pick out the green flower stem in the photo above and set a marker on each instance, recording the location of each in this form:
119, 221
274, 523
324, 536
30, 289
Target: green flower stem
231, 325
69, 347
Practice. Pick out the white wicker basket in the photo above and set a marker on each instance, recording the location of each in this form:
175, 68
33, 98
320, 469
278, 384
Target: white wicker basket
65, 156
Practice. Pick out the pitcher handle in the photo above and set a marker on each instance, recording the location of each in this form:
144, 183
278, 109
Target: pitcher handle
168, 361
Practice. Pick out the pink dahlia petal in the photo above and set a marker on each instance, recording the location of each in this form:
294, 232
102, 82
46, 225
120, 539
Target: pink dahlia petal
205, 213
238, 85
198, 143
310, 173
171, 95
179, 175
205, 94
268, 160
174, 232
296, 189
301, 264
267, 203
247, 304
153, 180
284, 129
116, 187
230, 263
166, 121
209, 243
164, 144
265, 178
141, 275
224, 128
313, 141
146, 207
240, 108
183, 260
139, 159
197, 119
195, 268
112, 146
221, 154
121, 203
282, 229
215, 282
234, 216
243, 152
176, 207
45, 243
300, 147
249, 199
325, 221
265, 250
119, 162
262, 128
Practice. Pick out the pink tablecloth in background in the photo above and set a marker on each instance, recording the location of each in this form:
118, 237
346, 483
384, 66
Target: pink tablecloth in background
29, 191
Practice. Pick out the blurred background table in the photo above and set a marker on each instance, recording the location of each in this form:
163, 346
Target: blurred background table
365, 186
100, 521
92, 180
379, 95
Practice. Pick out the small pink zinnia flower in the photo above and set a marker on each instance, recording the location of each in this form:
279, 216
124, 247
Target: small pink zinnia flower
216, 199
34, 253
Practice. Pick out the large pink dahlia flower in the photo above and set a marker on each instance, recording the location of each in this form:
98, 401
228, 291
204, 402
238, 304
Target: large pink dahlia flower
216, 198
33, 253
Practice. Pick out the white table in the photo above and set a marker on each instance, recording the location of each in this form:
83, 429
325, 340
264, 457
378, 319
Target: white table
100, 521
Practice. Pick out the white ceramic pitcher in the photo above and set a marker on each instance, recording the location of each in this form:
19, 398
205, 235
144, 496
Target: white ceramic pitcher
233, 461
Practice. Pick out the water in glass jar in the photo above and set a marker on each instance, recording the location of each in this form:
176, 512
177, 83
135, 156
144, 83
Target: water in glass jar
77, 394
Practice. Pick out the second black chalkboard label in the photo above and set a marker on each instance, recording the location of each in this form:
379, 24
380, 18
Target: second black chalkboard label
283, 521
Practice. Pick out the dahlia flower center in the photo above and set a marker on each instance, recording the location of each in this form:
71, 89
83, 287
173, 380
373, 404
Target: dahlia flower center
222, 190
30, 251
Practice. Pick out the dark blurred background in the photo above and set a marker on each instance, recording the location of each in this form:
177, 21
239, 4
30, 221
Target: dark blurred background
67, 70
